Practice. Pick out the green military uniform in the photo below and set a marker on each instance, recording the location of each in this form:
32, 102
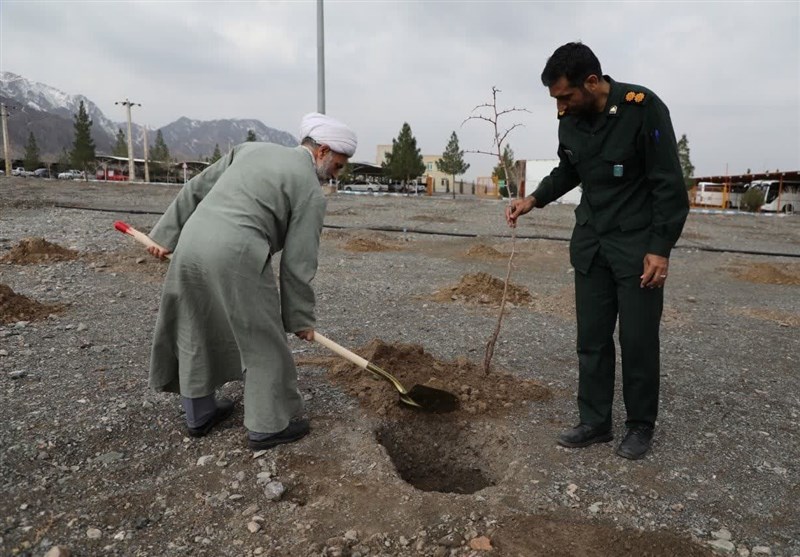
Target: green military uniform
221, 312
634, 202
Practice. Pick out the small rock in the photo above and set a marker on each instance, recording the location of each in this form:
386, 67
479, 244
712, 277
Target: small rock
81, 327
58, 551
253, 527
723, 546
273, 491
19, 374
742, 552
252, 509
691, 299
761, 550
259, 454
3, 353
109, 457
203, 460
481, 543
120, 535
450, 540
351, 536
93, 534
722, 534
140, 260
595, 507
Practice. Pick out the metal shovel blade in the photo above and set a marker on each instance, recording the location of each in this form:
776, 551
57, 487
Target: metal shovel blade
432, 400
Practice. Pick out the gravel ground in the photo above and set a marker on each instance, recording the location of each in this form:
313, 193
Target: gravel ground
92, 463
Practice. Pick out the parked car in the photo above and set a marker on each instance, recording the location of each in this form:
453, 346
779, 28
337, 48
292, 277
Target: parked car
19, 171
41, 173
366, 187
70, 175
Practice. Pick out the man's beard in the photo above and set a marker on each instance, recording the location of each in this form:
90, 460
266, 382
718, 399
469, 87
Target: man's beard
324, 168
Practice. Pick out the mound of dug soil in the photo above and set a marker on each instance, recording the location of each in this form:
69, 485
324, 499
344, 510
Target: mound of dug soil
483, 288
37, 250
368, 244
483, 251
16, 307
768, 273
429, 218
490, 395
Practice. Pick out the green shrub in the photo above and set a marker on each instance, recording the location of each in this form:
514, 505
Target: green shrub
752, 200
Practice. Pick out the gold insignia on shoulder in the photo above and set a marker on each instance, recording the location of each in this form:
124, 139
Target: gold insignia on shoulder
560, 114
629, 96
639, 97
612, 110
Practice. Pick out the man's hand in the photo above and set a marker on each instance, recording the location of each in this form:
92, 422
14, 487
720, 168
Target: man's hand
655, 271
307, 334
517, 208
158, 251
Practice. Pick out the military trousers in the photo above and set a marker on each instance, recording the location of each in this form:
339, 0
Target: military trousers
602, 297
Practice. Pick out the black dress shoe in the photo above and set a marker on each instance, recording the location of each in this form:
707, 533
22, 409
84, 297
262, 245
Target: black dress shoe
297, 429
224, 409
583, 435
636, 443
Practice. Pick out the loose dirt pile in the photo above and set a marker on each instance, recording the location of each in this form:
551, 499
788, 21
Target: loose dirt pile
16, 307
484, 252
131, 260
483, 288
782, 318
489, 395
37, 250
769, 273
365, 244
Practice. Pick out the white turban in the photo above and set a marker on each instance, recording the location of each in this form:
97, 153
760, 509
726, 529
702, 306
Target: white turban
329, 131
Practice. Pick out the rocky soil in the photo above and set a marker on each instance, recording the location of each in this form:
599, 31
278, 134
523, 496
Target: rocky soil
92, 463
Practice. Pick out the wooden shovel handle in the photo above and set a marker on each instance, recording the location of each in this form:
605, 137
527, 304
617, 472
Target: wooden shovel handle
340, 350
140, 237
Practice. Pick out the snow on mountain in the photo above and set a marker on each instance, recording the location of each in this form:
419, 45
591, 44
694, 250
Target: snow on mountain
48, 113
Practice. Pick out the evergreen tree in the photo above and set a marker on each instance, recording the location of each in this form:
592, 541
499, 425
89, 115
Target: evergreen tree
508, 161
216, 155
31, 159
121, 146
251, 135
686, 163
452, 161
83, 146
405, 161
159, 155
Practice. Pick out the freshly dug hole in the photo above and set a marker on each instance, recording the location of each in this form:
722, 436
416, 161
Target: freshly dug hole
433, 455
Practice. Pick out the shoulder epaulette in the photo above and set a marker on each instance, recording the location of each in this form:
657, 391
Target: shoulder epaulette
635, 97
560, 114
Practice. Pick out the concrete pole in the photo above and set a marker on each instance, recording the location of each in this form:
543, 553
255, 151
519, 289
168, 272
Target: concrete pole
6, 150
131, 165
320, 59
146, 162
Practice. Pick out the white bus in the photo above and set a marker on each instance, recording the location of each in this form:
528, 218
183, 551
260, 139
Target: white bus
713, 194
780, 196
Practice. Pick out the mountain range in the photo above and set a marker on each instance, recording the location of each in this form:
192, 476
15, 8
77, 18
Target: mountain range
49, 114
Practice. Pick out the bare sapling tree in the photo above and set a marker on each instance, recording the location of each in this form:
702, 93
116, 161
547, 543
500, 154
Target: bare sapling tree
488, 112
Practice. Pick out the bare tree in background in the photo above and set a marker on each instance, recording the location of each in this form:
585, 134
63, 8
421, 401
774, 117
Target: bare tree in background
488, 112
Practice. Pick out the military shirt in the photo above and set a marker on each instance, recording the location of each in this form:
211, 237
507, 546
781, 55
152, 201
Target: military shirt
625, 158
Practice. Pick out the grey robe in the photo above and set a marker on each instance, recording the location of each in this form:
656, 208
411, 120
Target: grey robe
221, 311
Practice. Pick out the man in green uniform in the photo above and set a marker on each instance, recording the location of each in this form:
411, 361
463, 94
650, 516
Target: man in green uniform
617, 141
221, 310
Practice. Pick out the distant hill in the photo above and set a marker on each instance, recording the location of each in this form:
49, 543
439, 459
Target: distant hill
48, 113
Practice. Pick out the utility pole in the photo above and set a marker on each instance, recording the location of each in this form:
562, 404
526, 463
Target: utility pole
320, 59
131, 166
146, 159
6, 150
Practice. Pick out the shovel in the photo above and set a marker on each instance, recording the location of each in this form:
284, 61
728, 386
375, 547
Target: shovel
419, 397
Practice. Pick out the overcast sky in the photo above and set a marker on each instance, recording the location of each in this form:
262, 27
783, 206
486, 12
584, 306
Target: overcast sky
729, 71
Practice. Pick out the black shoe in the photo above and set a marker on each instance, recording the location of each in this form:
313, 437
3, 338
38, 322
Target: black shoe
636, 443
224, 409
297, 429
583, 435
